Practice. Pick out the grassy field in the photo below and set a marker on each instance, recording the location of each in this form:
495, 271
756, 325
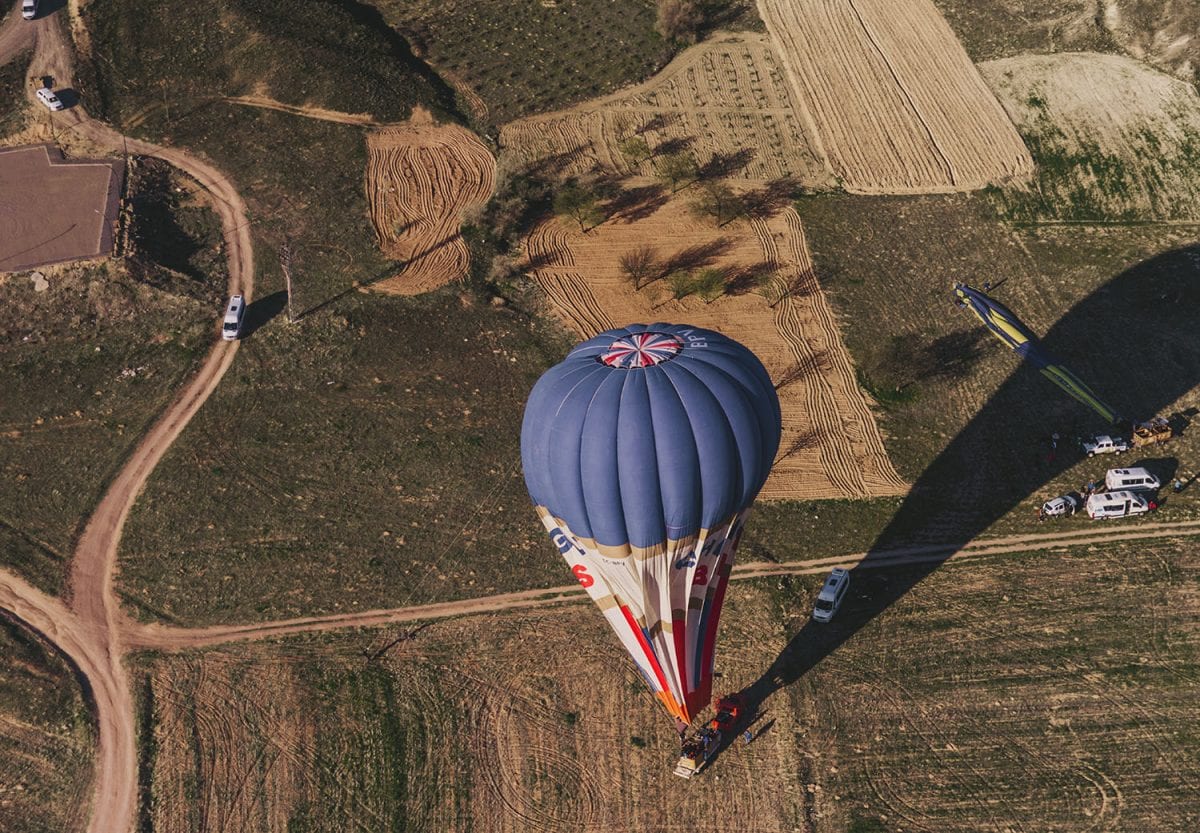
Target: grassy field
523, 58
1038, 693
156, 59
13, 105
963, 417
86, 366
46, 739
1035, 692
991, 29
362, 458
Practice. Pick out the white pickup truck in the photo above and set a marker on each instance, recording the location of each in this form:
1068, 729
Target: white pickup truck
1104, 444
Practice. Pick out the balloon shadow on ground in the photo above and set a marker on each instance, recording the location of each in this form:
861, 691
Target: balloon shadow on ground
1134, 340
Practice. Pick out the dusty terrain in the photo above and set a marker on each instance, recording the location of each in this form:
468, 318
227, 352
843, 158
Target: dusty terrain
897, 104
830, 445
1160, 32
1113, 136
52, 209
421, 179
724, 97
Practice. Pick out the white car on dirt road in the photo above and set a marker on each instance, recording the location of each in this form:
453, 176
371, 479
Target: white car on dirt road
1104, 444
47, 97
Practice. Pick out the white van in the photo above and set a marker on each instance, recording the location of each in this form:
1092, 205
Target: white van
831, 595
233, 318
1116, 505
1136, 479
29, 9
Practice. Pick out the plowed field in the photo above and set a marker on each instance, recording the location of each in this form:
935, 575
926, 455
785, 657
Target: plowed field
897, 104
1113, 138
831, 446
421, 177
728, 96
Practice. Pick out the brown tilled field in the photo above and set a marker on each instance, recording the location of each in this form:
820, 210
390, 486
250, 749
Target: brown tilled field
722, 98
831, 446
1114, 139
897, 104
54, 210
1041, 693
421, 178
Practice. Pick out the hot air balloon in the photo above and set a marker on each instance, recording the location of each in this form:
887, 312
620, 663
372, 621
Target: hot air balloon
643, 451
1005, 326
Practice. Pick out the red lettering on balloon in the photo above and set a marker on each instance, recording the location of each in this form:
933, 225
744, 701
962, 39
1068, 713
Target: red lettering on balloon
701, 575
581, 573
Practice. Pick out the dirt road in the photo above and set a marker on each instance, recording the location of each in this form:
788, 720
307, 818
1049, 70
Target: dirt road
89, 633
16, 35
159, 637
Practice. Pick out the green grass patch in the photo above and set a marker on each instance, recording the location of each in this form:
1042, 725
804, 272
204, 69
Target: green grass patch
13, 104
531, 57
86, 366
46, 738
365, 457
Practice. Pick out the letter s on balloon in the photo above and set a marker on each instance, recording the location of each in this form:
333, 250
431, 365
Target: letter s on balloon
581, 573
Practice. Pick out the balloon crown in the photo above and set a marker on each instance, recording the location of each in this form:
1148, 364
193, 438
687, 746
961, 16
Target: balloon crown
641, 350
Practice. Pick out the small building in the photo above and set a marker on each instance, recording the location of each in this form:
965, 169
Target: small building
54, 209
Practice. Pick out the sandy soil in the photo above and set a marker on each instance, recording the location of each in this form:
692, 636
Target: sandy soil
421, 178
305, 110
1137, 130
897, 103
1160, 32
831, 446
728, 96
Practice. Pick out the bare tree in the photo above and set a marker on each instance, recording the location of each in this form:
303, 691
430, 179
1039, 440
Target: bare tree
639, 264
677, 168
579, 203
719, 201
679, 20
710, 284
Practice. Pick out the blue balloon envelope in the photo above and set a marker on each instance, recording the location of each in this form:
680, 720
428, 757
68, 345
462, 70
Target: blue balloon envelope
643, 451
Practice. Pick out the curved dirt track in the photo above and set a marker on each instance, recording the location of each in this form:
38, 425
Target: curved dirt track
421, 179
88, 632
159, 637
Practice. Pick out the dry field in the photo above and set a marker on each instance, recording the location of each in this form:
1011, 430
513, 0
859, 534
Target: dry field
1113, 138
421, 178
723, 97
54, 210
1039, 693
831, 446
898, 105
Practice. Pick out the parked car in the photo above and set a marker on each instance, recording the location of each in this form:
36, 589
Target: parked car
1065, 505
47, 97
831, 595
1104, 444
29, 9
1117, 505
231, 327
1137, 479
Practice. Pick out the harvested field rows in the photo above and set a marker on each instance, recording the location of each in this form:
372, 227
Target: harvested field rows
727, 98
831, 446
1113, 138
898, 105
421, 178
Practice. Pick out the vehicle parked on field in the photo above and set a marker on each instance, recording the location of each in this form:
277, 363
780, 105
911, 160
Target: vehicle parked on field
831, 595
1059, 506
47, 97
1134, 479
1104, 444
231, 329
1118, 505
1151, 432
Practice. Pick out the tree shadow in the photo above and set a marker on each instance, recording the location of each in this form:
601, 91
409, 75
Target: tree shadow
764, 203
995, 462
721, 165
263, 310
637, 203
697, 256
